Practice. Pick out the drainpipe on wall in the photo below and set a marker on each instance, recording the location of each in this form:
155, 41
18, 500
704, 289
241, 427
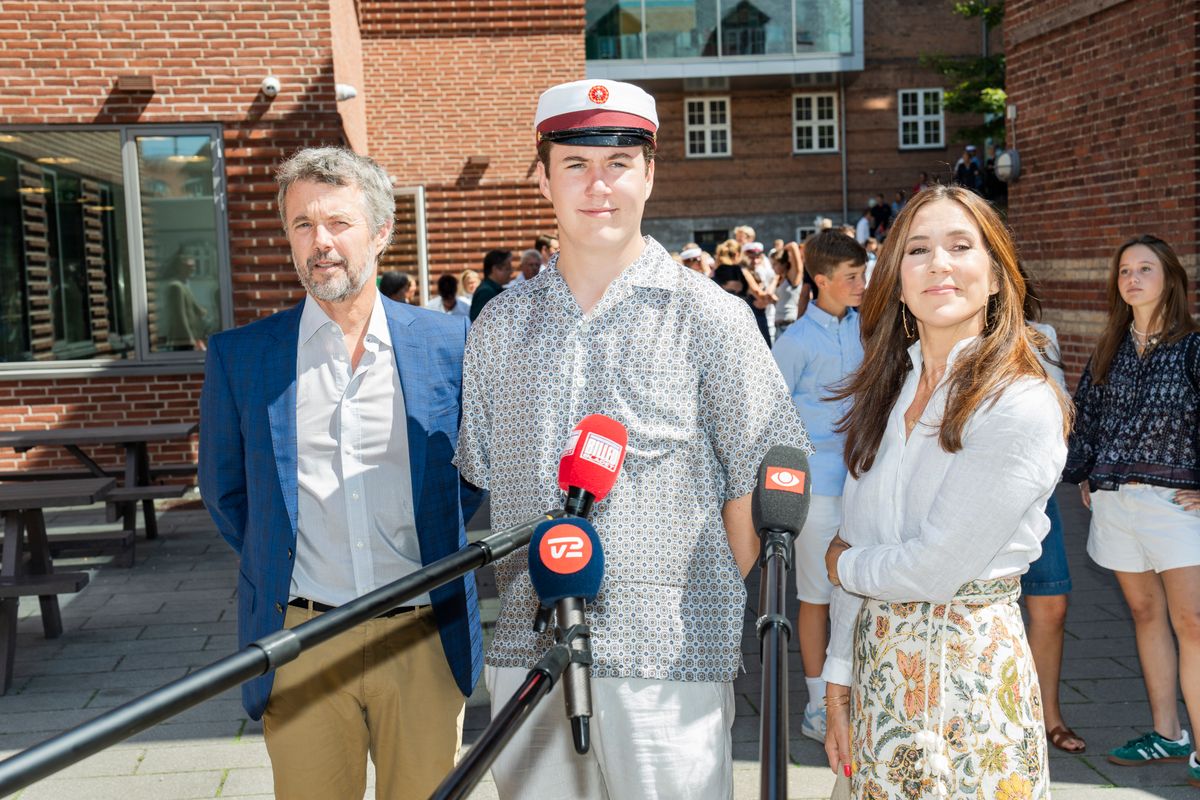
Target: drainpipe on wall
842, 125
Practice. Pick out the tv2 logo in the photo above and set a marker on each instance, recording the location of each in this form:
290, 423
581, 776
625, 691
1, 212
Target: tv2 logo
565, 549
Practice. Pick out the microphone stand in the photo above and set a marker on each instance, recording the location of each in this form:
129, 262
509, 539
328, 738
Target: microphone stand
538, 683
255, 659
774, 631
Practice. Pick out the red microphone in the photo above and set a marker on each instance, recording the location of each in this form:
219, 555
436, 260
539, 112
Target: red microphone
591, 461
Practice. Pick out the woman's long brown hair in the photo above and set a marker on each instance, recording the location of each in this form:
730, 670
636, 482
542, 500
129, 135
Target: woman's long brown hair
1005, 351
1172, 310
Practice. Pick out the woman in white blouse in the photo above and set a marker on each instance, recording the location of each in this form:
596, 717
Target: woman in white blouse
954, 441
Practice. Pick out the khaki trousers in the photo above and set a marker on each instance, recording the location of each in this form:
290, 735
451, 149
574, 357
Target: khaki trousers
383, 688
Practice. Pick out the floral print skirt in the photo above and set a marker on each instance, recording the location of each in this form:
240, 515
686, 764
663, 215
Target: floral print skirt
955, 679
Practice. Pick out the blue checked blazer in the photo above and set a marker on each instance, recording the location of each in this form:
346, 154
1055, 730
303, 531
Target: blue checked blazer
248, 469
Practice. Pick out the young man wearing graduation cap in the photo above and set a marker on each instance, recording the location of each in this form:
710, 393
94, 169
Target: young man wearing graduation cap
615, 326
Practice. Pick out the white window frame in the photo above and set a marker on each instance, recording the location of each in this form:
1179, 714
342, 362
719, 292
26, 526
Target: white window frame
707, 127
814, 125
805, 231
920, 118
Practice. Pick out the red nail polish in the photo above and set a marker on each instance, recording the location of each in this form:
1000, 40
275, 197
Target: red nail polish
846, 770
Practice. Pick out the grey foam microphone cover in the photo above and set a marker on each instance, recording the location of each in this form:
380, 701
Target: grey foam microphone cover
781, 496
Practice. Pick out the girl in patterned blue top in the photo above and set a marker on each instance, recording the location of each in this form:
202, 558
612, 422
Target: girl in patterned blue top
1135, 453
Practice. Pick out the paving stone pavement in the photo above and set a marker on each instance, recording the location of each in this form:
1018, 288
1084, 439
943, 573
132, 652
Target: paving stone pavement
131, 630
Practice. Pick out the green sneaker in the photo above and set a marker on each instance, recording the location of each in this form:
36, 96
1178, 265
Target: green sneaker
1150, 748
1193, 771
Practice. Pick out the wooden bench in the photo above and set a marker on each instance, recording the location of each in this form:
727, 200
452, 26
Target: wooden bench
156, 473
25, 535
65, 544
41, 585
122, 502
132, 494
133, 439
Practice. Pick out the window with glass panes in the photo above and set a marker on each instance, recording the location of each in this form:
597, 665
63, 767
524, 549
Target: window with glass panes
921, 118
706, 127
814, 120
112, 244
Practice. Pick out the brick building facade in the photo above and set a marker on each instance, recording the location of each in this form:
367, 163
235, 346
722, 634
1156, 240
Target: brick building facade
446, 91
1108, 133
436, 86
60, 66
768, 185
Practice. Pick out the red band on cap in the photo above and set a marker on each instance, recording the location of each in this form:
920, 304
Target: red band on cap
595, 118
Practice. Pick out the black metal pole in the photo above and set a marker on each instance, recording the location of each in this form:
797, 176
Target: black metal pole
459, 783
256, 659
774, 631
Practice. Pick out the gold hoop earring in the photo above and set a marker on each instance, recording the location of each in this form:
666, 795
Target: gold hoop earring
904, 320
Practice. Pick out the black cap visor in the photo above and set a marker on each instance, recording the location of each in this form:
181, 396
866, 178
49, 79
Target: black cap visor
600, 137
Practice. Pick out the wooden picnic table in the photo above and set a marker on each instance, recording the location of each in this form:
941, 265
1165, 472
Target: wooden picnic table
25, 534
133, 438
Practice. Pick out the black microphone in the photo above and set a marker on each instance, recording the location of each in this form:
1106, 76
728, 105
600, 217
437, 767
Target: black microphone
780, 500
779, 507
566, 565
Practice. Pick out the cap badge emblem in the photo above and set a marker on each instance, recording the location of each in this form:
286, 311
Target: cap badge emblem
598, 94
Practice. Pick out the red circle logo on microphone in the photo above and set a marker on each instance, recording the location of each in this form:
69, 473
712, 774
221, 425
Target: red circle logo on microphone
565, 549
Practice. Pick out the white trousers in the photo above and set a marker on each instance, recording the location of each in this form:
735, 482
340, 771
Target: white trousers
651, 740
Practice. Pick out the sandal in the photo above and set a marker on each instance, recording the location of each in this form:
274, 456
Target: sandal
1061, 734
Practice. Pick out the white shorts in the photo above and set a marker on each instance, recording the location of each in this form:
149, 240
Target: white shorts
651, 740
824, 519
1139, 528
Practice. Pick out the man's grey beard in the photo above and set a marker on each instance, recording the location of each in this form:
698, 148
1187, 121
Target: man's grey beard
340, 286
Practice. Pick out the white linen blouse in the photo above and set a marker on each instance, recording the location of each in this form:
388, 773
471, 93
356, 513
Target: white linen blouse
922, 522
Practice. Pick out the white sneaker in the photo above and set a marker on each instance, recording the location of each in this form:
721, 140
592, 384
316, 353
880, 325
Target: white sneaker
813, 724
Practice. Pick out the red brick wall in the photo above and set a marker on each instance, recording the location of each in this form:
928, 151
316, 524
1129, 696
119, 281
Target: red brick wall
440, 99
1107, 132
59, 63
431, 19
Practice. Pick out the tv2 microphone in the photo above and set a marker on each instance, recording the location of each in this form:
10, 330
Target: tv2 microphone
587, 470
566, 565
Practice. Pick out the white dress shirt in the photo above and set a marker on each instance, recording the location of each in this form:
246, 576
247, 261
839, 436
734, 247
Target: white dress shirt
462, 308
357, 528
922, 522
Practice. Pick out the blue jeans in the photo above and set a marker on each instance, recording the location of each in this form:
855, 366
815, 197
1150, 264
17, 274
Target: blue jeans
1049, 575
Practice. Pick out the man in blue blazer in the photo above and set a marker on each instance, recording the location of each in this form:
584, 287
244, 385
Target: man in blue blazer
327, 433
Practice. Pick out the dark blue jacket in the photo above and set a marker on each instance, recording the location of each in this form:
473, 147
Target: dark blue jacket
248, 469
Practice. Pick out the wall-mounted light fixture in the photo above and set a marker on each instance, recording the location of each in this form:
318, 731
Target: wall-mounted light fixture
270, 86
344, 92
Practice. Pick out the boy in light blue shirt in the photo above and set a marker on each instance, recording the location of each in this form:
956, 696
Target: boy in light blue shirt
814, 354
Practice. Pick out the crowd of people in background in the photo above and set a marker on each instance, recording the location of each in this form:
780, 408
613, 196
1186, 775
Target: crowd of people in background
771, 279
465, 294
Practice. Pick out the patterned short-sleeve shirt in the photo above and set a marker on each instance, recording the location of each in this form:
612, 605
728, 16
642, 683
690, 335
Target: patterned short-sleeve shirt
682, 365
